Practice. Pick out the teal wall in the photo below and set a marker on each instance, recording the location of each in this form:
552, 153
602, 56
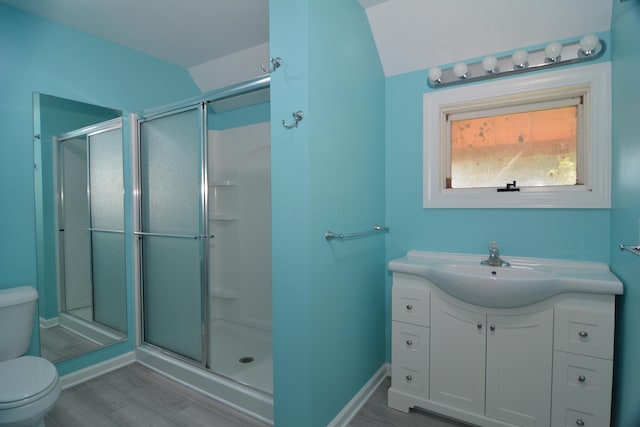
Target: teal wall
328, 297
240, 117
37, 55
625, 30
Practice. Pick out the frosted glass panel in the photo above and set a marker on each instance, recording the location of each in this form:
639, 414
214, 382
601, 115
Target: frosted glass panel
105, 175
109, 293
74, 220
171, 204
171, 168
172, 317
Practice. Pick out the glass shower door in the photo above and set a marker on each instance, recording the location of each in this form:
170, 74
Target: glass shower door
173, 231
106, 207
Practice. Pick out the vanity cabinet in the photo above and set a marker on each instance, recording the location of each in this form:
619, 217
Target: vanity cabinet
548, 364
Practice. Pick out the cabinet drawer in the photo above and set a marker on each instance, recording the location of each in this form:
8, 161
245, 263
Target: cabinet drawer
410, 305
409, 344
410, 358
565, 417
588, 379
585, 330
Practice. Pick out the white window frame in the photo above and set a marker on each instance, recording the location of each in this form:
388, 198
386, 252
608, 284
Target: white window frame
595, 79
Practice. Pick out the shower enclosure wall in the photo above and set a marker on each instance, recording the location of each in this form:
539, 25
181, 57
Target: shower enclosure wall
205, 247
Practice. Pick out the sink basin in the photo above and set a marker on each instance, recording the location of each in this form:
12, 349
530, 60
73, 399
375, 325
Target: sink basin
525, 282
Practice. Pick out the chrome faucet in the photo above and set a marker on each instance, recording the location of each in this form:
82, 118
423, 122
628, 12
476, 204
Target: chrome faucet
494, 259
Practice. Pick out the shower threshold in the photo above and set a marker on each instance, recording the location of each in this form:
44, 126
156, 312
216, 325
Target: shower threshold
231, 393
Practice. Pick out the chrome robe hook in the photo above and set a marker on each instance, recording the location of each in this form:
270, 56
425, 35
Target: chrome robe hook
275, 64
297, 118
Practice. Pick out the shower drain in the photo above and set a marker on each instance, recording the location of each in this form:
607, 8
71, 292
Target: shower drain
246, 359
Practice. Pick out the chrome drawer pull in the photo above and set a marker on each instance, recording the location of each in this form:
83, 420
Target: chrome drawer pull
583, 334
409, 342
582, 378
579, 422
409, 378
409, 307
479, 325
492, 327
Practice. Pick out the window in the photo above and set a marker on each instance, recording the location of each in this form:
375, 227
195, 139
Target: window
532, 143
549, 132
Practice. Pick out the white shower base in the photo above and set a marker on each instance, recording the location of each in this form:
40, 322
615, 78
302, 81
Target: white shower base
242, 398
242, 353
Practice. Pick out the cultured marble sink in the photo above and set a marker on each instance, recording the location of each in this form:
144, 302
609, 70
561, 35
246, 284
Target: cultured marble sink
526, 281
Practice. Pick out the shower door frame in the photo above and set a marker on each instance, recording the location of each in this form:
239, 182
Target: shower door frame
87, 132
203, 237
202, 101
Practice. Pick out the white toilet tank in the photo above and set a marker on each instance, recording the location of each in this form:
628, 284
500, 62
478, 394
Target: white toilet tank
17, 308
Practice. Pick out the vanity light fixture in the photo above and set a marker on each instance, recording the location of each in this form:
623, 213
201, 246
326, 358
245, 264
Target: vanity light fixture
588, 48
460, 70
520, 58
553, 51
589, 44
435, 75
490, 64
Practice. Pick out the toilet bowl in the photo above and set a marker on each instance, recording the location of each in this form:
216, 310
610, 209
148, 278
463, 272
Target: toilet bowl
29, 386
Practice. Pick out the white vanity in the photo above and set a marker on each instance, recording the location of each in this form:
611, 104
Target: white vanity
526, 345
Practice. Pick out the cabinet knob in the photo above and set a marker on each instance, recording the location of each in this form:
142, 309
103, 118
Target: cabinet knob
409, 342
579, 422
492, 327
479, 325
583, 334
409, 307
582, 378
409, 377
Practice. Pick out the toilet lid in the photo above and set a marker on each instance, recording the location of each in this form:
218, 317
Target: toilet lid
25, 377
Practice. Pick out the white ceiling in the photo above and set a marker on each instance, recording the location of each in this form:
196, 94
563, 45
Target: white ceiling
206, 35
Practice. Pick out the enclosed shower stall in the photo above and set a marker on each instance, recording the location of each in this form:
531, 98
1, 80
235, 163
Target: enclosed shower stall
204, 233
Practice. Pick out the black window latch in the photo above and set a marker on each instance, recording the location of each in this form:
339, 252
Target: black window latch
510, 187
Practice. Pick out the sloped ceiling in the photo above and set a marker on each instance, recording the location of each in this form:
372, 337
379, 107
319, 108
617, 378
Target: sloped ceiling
416, 34
182, 32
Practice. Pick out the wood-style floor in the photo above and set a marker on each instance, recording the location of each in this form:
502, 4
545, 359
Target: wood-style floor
135, 396
58, 343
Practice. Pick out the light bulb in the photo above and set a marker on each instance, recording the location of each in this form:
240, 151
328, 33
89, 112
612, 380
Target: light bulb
589, 43
460, 70
519, 58
553, 51
435, 74
489, 64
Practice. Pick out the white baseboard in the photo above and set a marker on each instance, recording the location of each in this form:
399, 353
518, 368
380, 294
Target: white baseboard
351, 409
96, 370
49, 323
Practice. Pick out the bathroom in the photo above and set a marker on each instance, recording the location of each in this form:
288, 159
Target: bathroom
353, 161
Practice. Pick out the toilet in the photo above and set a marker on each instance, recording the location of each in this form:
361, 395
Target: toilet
29, 386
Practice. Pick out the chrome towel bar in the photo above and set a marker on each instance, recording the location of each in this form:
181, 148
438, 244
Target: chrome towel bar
330, 235
634, 249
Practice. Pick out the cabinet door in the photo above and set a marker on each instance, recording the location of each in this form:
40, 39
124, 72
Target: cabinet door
457, 352
519, 363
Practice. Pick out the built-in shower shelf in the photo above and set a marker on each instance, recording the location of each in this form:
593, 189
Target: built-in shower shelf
222, 218
223, 293
222, 183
